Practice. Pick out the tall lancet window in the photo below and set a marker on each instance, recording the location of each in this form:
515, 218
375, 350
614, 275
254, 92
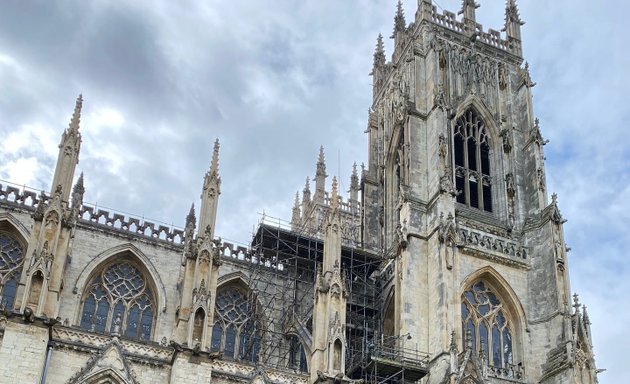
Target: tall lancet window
119, 299
236, 331
472, 161
11, 260
484, 316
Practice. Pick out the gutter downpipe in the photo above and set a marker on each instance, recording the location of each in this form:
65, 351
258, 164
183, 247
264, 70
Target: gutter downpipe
49, 348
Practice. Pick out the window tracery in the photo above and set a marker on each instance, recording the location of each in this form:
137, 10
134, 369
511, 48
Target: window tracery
235, 331
118, 299
485, 317
472, 161
11, 261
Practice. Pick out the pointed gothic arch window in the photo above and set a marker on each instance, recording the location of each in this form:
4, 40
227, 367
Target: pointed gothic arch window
487, 320
297, 356
472, 161
236, 331
11, 261
119, 299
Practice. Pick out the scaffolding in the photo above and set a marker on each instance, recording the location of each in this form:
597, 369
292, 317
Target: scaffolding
282, 272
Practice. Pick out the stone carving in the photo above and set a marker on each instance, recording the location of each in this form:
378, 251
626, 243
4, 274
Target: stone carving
509, 185
526, 79
447, 234
503, 81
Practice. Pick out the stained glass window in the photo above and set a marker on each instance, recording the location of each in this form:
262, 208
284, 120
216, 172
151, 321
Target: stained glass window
11, 260
235, 330
119, 297
484, 316
472, 161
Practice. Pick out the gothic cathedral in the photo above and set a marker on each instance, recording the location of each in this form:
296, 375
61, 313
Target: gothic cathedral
446, 263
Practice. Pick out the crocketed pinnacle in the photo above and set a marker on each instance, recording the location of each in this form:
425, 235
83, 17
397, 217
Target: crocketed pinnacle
77, 192
307, 186
334, 195
191, 220
76, 115
511, 13
399, 19
321, 163
214, 165
354, 178
379, 52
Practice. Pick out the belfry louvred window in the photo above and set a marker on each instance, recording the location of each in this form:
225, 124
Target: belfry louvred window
119, 298
236, 331
11, 261
472, 161
484, 317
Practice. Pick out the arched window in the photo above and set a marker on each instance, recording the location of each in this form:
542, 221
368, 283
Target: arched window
119, 299
297, 356
472, 161
236, 331
484, 316
11, 261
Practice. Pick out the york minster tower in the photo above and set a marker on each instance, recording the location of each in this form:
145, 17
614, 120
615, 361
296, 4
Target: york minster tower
446, 262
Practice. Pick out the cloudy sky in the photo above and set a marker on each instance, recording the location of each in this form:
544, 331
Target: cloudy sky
274, 80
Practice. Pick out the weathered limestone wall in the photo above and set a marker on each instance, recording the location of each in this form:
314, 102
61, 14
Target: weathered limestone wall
22, 353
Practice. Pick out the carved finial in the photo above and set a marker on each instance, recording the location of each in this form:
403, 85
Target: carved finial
554, 198
585, 315
399, 20
295, 215
191, 220
117, 323
453, 342
354, 179
321, 162
76, 115
77, 192
576, 303
468, 339
379, 52
334, 196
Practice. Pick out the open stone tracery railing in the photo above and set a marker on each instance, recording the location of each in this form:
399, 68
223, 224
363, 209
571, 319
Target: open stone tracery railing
481, 240
135, 225
492, 37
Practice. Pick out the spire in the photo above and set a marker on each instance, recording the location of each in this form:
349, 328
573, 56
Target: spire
379, 52
320, 176
77, 193
68, 157
210, 194
76, 115
214, 165
399, 20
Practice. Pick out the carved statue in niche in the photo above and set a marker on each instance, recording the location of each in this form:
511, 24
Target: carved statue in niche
509, 185
439, 100
447, 235
442, 149
502, 77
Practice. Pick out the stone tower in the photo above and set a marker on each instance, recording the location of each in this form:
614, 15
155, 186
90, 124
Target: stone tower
455, 195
